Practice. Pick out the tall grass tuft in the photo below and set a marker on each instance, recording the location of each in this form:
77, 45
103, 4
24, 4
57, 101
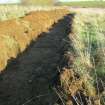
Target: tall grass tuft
89, 43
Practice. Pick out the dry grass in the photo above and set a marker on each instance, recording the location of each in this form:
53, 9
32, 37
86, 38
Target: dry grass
38, 2
86, 75
15, 11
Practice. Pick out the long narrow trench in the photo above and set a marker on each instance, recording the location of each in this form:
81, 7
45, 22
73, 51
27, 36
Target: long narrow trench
27, 80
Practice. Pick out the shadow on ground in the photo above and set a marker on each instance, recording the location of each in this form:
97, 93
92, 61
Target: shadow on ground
27, 80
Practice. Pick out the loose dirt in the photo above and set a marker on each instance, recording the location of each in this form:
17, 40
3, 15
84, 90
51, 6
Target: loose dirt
28, 79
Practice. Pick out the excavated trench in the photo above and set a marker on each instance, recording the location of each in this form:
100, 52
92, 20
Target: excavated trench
28, 79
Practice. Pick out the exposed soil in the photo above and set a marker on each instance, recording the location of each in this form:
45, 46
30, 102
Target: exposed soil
27, 80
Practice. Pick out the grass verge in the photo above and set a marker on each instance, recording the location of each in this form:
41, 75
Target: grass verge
85, 4
84, 81
12, 11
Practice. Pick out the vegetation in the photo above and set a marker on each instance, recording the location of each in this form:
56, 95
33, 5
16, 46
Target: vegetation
85, 4
17, 11
88, 42
38, 2
86, 75
20, 10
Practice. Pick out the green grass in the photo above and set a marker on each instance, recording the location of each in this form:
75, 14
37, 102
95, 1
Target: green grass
14, 11
86, 4
89, 45
89, 29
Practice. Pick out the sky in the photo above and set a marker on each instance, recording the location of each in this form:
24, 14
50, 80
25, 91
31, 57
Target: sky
9, 1
18, 1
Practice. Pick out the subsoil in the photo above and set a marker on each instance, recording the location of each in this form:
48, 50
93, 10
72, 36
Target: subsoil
29, 79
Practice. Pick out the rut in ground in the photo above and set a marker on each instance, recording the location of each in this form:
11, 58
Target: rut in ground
27, 79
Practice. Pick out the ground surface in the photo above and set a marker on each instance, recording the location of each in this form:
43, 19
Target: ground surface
27, 80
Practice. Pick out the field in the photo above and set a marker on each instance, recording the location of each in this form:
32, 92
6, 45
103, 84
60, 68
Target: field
85, 4
52, 56
39, 2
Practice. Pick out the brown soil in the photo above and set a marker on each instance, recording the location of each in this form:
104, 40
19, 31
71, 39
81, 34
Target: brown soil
28, 79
